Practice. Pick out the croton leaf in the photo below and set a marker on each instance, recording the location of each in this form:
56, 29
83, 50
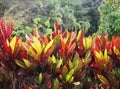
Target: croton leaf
56, 27
31, 52
87, 42
77, 61
69, 75
98, 54
26, 87
48, 45
27, 63
64, 70
70, 64
40, 78
2, 56
103, 79
59, 63
79, 34
37, 45
12, 43
71, 79
71, 48
56, 84
21, 64
52, 59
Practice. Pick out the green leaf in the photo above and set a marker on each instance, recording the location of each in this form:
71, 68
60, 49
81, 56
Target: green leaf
56, 84
47, 23
69, 75
76, 61
59, 63
71, 79
48, 31
40, 78
70, 65
36, 20
28, 29
52, 59
19, 63
87, 56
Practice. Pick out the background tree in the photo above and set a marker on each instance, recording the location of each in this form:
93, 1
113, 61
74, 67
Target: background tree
71, 14
110, 17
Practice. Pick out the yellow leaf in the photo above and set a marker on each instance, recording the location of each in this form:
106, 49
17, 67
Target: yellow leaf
116, 51
98, 55
71, 79
27, 63
53, 59
89, 42
37, 45
84, 43
78, 36
12, 43
31, 52
48, 45
103, 79
40, 77
105, 54
19, 63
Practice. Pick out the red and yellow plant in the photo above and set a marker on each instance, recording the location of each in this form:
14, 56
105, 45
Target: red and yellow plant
62, 60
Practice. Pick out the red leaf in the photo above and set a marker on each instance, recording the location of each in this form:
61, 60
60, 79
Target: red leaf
110, 65
58, 70
2, 56
104, 41
7, 49
10, 29
56, 27
95, 66
26, 87
23, 54
80, 47
5, 30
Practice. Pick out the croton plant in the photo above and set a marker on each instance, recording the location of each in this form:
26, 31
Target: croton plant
63, 60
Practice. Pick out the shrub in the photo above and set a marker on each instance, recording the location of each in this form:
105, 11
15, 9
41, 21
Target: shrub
62, 60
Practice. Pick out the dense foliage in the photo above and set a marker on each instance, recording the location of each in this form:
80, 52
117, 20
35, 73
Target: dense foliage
62, 60
110, 17
77, 14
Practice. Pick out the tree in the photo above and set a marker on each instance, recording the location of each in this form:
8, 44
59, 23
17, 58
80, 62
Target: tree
71, 14
110, 17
